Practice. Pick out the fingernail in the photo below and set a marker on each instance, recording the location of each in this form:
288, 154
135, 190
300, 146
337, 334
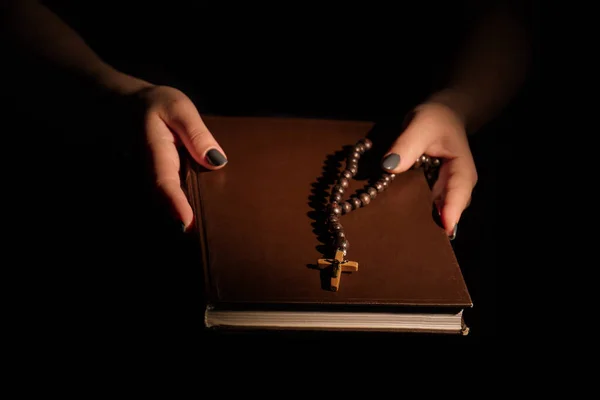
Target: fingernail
214, 157
391, 161
453, 236
182, 227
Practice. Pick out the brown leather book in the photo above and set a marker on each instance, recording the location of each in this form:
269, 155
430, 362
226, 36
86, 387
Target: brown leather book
261, 230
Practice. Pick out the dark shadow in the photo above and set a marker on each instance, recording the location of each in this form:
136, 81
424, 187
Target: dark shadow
318, 200
324, 276
319, 197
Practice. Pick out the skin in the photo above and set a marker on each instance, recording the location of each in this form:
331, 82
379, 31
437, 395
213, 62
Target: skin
488, 73
437, 130
171, 118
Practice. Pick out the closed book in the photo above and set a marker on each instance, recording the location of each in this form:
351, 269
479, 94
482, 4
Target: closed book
261, 228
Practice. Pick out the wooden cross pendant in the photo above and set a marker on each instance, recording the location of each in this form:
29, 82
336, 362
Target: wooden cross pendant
338, 266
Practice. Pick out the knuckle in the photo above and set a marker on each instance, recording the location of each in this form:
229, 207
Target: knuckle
177, 104
169, 99
199, 136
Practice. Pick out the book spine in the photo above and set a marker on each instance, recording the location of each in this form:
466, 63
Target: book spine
191, 187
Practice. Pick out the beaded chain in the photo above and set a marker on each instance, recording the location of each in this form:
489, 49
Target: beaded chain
337, 208
362, 199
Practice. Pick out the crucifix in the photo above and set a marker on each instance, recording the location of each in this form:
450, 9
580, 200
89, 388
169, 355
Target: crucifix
338, 265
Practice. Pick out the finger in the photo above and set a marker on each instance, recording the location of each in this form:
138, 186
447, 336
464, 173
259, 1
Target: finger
166, 163
452, 191
407, 148
183, 118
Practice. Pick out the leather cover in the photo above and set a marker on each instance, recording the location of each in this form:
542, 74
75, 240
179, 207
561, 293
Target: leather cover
260, 222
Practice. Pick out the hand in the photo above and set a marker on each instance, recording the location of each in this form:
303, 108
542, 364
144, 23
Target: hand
172, 119
438, 131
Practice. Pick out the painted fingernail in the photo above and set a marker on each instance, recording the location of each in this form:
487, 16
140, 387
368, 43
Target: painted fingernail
214, 157
182, 227
453, 236
391, 161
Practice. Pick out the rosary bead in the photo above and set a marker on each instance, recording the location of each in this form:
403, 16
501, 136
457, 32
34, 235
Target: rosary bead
355, 201
336, 197
338, 189
367, 143
342, 243
335, 209
372, 192
360, 148
344, 182
354, 155
386, 178
417, 163
384, 183
365, 198
346, 207
379, 186
352, 162
347, 174
353, 169
333, 219
392, 176
336, 227
436, 162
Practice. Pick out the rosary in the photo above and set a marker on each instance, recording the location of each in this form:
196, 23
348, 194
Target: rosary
337, 208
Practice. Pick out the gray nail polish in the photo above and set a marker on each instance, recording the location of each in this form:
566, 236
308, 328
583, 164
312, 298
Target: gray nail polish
453, 236
214, 157
391, 161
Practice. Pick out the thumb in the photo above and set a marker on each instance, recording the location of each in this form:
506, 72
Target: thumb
406, 149
186, 122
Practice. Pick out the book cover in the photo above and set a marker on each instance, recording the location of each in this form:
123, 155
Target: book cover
261, 228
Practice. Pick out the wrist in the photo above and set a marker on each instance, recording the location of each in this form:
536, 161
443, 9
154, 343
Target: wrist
118, 82
458, 101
